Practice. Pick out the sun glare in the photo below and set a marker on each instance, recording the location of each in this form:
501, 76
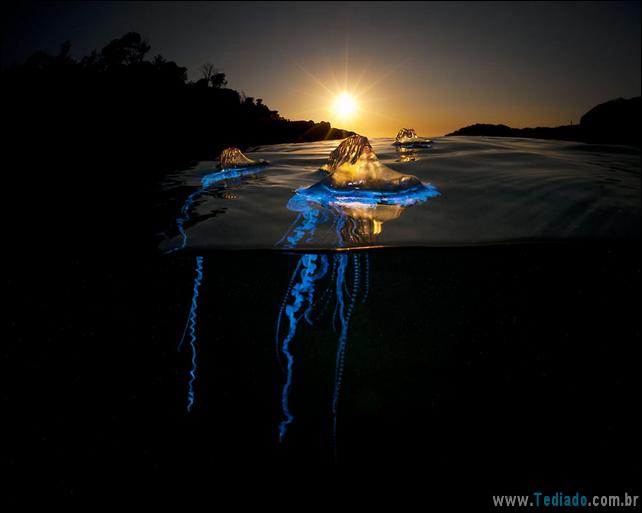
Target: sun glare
345, 106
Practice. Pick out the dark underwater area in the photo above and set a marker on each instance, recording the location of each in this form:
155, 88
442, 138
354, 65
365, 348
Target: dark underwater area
470, 371
495, 369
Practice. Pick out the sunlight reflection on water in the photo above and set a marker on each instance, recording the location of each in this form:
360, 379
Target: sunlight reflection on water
492, 190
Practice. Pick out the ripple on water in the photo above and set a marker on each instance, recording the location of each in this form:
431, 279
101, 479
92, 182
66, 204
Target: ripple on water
491, 190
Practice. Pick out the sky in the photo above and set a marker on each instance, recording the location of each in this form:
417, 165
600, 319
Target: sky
431, 66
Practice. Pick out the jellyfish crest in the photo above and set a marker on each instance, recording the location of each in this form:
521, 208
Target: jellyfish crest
231, 158
405, 135
408, 137
354, 166
350, 150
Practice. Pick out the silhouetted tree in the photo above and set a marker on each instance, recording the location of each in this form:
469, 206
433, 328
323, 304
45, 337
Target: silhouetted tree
127, 50
171, 71
218, 80
65, 47
118, 99
91, 61
207, 71
212, 76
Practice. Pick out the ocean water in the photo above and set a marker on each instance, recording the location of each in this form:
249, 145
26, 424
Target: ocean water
492, 190
488, 333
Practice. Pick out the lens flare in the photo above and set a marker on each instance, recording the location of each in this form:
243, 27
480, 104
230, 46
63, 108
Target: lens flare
345, 106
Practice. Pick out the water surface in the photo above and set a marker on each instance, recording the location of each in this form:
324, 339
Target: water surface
491, 190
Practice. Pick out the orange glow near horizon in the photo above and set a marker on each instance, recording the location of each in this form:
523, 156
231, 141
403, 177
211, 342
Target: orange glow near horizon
376, 97
352, 104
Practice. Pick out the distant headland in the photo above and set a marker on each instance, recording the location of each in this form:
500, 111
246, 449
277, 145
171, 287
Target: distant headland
613, 122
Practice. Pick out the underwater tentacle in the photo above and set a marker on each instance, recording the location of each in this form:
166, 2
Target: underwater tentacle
367, 277
345, 320
183, 218
290, 228
192, 331
299, 292
327, 293
323, 269
278, 319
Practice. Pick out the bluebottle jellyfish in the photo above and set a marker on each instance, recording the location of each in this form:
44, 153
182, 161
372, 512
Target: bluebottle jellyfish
358, 196
354, 200
233, 158
233, 164
407, 138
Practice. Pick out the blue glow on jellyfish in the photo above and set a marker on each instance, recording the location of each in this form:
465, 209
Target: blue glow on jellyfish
235, 165
190, 328
358, 197
325, 195
208, 181
310, 269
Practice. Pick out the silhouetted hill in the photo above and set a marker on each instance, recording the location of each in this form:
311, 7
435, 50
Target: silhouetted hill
87, 141
127, 101
615, 122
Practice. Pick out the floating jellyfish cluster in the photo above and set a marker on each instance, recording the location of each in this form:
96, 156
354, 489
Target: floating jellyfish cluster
356, 198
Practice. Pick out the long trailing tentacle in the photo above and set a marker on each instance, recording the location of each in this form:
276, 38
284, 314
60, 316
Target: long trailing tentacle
324, 299
183, 218
321, 272
310, 272
341, 348
192, 330
338, 289
367, 277
278, 319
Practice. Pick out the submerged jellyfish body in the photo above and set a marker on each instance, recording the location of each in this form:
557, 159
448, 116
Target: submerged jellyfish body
407, 138
359, 195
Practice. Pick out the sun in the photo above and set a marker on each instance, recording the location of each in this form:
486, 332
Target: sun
345, 106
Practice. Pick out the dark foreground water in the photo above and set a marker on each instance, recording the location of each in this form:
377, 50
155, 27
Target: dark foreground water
468, 371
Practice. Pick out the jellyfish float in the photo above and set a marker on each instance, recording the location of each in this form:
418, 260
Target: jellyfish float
232, 165
353, 202
407, 138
